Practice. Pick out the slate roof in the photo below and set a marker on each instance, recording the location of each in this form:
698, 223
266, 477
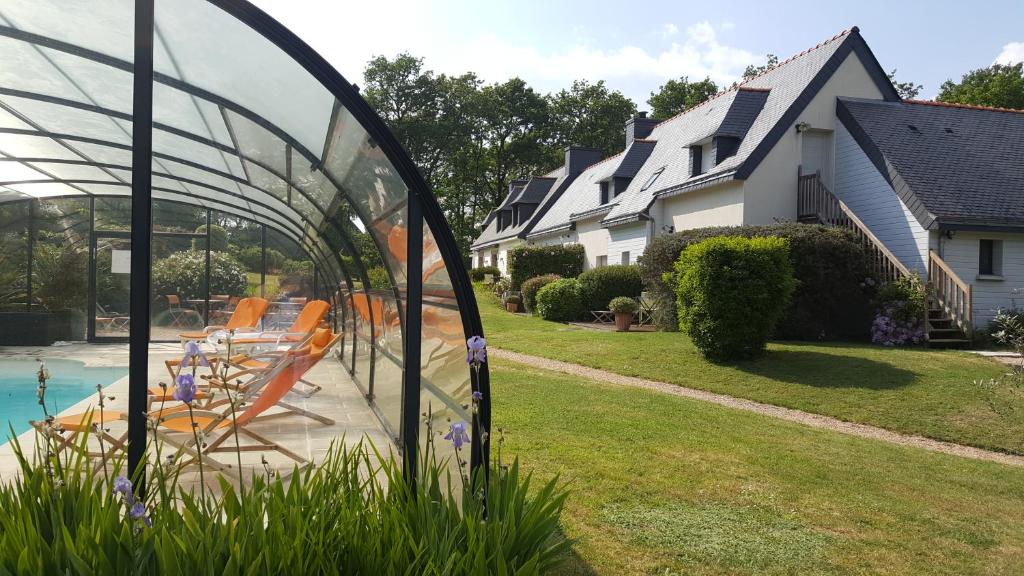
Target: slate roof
583, 196
785, 89
540, 190
955, 167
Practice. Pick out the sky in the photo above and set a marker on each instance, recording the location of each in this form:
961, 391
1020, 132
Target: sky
636, 46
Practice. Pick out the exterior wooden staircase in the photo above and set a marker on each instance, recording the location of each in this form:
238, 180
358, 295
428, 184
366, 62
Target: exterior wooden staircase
950, 316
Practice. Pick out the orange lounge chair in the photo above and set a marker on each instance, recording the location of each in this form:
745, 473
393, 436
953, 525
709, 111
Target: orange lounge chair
218, 426
246, 316
317, 346
309, 319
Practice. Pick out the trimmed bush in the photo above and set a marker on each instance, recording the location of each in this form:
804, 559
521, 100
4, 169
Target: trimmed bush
532, 286
731, 292
560, 300
599, 285
379, 277
182, 274
528, 261
622, 305
829, 264
478, 274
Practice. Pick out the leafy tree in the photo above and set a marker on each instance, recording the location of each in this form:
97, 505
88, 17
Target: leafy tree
676, 96
753, 71
906, 90
999, 85
589, 115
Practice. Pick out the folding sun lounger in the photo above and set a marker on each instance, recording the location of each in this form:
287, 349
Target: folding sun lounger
246, 316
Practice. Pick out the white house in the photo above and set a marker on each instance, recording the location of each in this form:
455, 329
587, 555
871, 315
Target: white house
822, 137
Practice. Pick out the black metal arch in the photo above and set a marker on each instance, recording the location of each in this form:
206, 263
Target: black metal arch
418, 190
314, 226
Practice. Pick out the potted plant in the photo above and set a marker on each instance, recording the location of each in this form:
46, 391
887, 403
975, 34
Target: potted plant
623, 307
513, 302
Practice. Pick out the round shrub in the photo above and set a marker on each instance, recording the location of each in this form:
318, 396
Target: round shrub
731, 292
183, 274
379, 277
560, 300
622, 305
599, 285
532, 286
479, 274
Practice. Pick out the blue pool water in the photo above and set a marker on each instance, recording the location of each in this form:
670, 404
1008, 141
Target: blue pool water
70, 382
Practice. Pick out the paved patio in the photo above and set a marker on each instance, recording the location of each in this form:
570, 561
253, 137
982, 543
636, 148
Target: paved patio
339, 400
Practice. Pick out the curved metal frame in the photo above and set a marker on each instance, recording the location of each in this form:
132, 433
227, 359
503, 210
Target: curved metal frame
316, 230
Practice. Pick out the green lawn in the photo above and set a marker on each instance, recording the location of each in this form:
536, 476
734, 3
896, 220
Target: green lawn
666, 485
920, 391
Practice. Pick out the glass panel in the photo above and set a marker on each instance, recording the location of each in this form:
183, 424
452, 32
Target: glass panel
178, 300
113, 283
13, 264
60, 268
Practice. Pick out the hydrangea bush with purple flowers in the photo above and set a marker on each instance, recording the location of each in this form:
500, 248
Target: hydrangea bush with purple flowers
900, 319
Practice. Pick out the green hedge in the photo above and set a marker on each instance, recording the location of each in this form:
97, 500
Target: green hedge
731, 292
532, 286
183, 274
560, 300
599, 285
829, 263
529, 261
478, 274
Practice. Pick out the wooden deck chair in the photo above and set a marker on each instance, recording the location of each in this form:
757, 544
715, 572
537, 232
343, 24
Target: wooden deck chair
246, 316
219, 427
67, 432
318, 345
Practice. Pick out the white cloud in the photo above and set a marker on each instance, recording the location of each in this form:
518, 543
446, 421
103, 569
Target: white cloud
340, 33
1011, 54
669, 30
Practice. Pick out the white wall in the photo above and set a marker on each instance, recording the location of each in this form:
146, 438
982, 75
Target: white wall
594, 240
631, 237
859, 184
770, 191
561, 238
718, 206
961, 253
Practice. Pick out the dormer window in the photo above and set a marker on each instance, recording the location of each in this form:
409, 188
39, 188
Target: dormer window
604, 192
696, 158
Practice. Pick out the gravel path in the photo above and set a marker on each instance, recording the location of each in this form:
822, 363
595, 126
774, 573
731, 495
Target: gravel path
815, 420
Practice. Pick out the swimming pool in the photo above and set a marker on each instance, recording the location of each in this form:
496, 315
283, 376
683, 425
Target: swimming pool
70, 382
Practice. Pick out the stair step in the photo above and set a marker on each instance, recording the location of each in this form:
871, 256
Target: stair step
954, 330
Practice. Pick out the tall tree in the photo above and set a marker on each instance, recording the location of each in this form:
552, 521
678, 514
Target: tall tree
999, 85
906, 90
676, 96
588, 115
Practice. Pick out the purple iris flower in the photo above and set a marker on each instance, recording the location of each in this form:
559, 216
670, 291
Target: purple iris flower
193, 350
185, 391
478, 396
123, 485
457, 434
477, 350
138, 510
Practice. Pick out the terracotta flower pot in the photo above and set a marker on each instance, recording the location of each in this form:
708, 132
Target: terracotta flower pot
622, 321
512, 307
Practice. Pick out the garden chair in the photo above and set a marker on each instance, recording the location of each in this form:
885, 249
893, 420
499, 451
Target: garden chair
245, 317
181, 317
67, 432
264, 393
319, 343
308, 320
106, 320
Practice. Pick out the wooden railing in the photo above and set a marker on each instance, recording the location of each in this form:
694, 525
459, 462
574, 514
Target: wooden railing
952, 294
815, 201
